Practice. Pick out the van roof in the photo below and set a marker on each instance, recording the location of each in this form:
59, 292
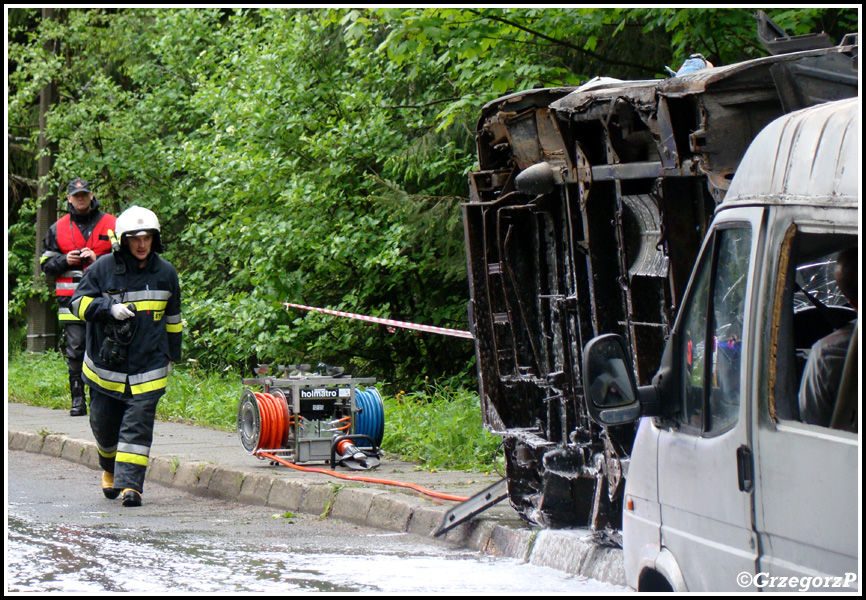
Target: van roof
810, 157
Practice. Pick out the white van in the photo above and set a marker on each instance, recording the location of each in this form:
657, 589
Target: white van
728, 490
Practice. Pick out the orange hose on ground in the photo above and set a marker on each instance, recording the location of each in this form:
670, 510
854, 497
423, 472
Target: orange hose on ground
348, 477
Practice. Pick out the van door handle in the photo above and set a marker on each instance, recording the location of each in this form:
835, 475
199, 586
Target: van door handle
745, 468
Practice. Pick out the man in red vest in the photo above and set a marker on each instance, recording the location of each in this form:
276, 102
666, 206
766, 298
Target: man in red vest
71, 245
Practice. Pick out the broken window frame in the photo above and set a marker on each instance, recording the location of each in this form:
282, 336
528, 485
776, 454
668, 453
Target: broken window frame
781, 377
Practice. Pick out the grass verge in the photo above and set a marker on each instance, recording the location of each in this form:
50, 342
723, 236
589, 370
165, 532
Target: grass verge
440, 428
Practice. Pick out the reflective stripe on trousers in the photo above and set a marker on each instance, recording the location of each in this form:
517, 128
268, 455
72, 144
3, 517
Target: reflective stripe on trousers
123, 429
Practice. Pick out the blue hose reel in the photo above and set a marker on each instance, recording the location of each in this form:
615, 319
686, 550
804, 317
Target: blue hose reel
370, 421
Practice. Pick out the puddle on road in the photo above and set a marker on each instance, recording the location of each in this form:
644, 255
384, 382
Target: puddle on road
83, 559
87, 559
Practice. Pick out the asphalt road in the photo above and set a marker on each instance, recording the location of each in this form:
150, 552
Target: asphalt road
63, 535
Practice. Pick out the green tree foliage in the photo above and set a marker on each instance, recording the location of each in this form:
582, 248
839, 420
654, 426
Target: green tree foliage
316, 156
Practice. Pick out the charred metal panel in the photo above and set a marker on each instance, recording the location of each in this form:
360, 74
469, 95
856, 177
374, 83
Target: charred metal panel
815, 80
585, 217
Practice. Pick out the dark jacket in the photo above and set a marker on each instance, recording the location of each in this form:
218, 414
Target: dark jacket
156, 329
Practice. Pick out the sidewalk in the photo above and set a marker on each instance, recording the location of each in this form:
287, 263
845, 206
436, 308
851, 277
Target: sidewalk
213, 463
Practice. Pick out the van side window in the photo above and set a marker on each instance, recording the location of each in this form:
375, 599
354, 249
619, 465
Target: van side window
812, 308
694, 343
712, 331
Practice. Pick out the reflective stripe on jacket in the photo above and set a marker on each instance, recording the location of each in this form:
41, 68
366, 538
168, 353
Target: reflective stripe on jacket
154, 292
66, 316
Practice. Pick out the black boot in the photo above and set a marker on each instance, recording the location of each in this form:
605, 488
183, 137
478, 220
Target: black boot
131, 497
79, 406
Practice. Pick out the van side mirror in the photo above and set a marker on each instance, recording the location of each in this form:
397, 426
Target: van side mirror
609, 385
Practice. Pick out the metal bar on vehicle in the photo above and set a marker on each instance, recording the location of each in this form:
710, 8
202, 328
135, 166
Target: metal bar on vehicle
636, 170
475, 505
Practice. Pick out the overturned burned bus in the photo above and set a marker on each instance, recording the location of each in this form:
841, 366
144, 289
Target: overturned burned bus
585, 217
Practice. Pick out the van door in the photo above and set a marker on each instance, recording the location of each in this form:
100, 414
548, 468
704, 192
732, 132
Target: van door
705, 459
807, 500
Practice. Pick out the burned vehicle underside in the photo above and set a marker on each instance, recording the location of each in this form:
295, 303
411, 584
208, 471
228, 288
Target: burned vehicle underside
585, 217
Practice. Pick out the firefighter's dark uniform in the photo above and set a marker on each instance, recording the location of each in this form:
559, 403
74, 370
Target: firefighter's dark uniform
74, 232
124, 393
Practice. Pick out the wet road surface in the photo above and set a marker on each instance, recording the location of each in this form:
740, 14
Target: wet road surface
64, 536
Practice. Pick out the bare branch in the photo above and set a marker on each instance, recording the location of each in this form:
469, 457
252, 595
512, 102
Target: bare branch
431, 103
23, 180
566, 44
20, 148
187, 80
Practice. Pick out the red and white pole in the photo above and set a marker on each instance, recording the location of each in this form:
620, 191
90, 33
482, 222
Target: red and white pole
388, 322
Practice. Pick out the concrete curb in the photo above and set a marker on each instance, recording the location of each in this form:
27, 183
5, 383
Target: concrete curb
567, 551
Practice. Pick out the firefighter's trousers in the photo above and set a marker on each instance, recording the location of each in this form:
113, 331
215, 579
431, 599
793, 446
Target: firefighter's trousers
124, 432
75, 342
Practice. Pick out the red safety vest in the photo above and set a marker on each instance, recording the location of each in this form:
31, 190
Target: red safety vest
69, 238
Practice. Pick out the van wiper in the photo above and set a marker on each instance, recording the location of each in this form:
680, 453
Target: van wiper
829, 316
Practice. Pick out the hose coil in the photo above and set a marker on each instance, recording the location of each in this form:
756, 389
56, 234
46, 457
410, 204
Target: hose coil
370, 421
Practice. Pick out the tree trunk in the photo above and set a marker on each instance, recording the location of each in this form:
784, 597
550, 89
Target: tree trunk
41, 316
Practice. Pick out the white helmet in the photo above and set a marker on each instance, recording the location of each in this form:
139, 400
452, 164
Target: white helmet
135, 220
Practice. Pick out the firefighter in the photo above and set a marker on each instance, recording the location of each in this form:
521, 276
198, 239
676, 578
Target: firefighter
131, 302
71, 246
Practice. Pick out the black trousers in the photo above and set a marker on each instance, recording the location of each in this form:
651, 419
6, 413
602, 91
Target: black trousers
123, 429
75, 342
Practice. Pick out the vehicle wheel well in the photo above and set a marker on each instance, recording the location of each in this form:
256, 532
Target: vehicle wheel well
653, 581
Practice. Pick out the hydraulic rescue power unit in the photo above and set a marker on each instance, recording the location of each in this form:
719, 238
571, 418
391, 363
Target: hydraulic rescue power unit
312, 418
